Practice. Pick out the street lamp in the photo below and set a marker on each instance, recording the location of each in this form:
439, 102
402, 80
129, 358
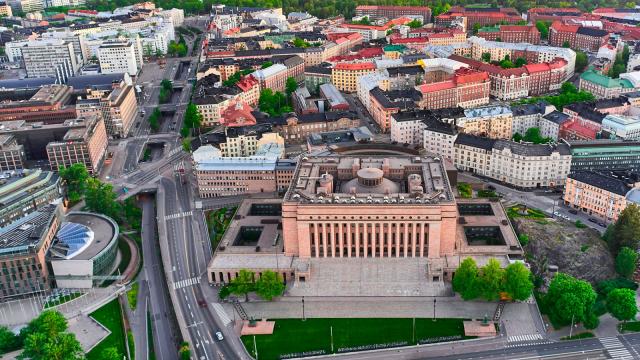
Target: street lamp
303, 318
434, 309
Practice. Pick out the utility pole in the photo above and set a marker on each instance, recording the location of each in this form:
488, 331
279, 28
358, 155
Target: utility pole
303, 318
255, 347
434, 309
414, 330
331, 328
571, 329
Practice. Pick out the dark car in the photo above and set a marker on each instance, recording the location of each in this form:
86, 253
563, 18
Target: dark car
491, 187
202, 303
602, 224
573, 211
593, 220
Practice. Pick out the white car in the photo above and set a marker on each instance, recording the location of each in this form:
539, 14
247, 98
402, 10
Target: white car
219, 336
557, 213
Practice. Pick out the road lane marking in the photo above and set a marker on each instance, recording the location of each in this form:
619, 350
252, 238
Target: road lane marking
185, 283
224, 317
615, 348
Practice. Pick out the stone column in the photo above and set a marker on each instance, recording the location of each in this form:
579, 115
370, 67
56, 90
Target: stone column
406, 239
397, 240
349, 240
341, 238
422, 239
357, 240
333, 240
317, 239
434, 240
365, 239
414, 238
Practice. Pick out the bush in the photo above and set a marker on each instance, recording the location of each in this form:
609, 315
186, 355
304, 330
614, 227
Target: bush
606, 286
580, 225
465, 190
524, 239
224, 292
582, 335
487, 194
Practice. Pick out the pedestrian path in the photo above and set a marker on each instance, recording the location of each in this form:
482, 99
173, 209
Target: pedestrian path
175, 151
178, 216
615, 348
525, 340
186, 282
222, 314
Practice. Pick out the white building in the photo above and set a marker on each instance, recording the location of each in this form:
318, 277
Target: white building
366, 83
118, 57
623, 127
13, 50
70, 3
53, 58
524, 166
538, 115
634, 61
175, 16
439, 138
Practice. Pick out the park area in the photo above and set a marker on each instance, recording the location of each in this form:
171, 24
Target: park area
110, 316
327, 336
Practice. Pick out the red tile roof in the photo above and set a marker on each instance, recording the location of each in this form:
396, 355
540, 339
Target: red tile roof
560, 27
355, 66
391, 7
415, 40
533, 68
247, 83
439, 86
466, 76
238, 114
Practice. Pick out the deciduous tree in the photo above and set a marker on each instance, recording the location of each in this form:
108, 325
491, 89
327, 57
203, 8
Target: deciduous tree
621, 303
243, 284
270, 285
490, 280
465, 281
626, 262
569, 299
626, 230
75, 179
517, 281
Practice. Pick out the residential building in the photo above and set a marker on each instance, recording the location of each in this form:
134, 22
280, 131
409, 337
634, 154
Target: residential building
578, 37
386, 103
314, 76
601, 194
537, 115
511, 33
375, 12
494, 122
118, 106
25, 191
481, 15
552, 14
344, 75
85, 145
118, 57
366, 83
5, 10
604, 87
53, 58
467, 88
23, 248
50, 104
604, 155
296, 128
525, 166
212, 100
622, 126
274, 77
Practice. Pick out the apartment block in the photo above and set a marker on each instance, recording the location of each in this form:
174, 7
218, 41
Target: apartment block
84, 145
53, 58
118, 57
511, 33
344, 75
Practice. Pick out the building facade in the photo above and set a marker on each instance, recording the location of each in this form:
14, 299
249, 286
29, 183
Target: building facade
85, 145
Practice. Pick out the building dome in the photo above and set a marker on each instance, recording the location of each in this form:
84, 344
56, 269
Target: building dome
370, 181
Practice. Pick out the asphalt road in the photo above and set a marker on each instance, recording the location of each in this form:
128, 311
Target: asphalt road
163, 323
189, 252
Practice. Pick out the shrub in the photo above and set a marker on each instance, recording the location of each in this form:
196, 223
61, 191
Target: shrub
524, 239
606, 286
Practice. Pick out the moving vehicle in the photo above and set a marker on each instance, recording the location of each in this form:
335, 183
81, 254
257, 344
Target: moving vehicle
219, 336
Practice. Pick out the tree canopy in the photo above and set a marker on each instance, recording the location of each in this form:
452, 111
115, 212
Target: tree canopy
273, 103
465, 279
291, 85
517, 281
569, 299
45, 338
100, 198
75, 178
270, 285
543, 28
490, 280
625, 232
626, 262
243, 284
414, 24
533, 135
568, 95
621, 303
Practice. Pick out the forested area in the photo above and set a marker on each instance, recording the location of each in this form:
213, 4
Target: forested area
327, 8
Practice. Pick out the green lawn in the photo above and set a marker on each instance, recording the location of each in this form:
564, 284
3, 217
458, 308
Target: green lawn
313, 336
532, 213
125, 252
582, 335
110, 316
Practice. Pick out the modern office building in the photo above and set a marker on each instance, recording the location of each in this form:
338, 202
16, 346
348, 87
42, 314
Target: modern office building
25, 191
118, 57
52, 58
603, 154
84, 251
86, 145
23, 247
12, 154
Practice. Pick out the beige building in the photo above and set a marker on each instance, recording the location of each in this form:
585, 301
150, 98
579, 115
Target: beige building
12, 154
118, 107
344, 214
5, 10
344, 76
525, 166
85, 145
602, 195
245, 145
491, 121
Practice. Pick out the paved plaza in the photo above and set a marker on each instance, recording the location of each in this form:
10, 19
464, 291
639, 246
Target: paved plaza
518, 318
369, 277
88, 332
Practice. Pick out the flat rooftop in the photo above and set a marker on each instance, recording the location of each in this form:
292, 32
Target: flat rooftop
24, 235
372, 179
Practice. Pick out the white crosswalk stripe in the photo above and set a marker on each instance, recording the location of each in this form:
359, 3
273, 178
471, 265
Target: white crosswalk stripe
615, 348
179, 215
222, 314
185, 282
525, 340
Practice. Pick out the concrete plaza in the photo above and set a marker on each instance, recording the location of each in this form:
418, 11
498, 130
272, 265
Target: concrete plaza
520, 318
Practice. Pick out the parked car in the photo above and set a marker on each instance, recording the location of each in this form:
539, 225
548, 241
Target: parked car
202, 303
219, 336
573, 211
593, 220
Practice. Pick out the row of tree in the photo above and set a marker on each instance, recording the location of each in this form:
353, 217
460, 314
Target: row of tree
532, 135
166, 90
154, 120
491, 281
268, 285
569, 94
620, 64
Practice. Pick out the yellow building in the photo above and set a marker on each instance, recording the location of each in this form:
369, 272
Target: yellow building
344, 76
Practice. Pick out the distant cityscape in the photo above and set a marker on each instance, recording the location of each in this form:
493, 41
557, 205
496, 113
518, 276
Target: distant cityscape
238, 182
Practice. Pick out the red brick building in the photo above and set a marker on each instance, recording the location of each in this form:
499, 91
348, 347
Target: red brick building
392, 12
552, 14
578, 37
482, 16
468, 88
511, 34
